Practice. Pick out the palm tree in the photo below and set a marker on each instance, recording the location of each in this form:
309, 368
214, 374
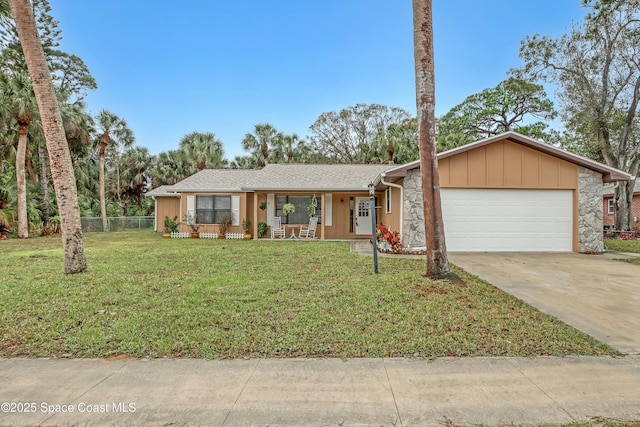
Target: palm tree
135, 163
169, 167
203, 149
260, 140
79, 126
437, 261
114, 134
290, 147
17, 97
61, 167
7, 196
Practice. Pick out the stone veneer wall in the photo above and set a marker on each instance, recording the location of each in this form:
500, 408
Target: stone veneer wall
413, 227
590, 215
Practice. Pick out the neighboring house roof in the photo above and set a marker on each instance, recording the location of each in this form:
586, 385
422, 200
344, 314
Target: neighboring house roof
219, 180
162, 191
609, 189
608, 173
315, 177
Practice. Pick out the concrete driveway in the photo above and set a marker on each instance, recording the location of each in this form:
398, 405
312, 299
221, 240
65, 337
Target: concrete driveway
593, 293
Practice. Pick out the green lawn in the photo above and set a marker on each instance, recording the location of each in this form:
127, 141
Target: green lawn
625, 246
145, 296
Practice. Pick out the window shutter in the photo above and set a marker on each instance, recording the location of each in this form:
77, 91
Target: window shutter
191, 206
271, 208
235, 209
328, 210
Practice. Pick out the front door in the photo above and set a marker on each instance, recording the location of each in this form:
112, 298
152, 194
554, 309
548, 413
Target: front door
363, 218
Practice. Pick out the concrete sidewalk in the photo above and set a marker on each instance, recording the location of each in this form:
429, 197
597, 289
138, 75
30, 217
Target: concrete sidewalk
326, 392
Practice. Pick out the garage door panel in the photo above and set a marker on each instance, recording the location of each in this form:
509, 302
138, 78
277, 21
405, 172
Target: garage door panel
507, 220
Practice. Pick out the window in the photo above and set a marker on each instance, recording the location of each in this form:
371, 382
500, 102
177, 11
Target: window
610, 206
387, 198
301, 215
210, 209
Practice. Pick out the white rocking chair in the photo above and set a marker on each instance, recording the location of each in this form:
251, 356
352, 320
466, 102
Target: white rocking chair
309, 231
276, 228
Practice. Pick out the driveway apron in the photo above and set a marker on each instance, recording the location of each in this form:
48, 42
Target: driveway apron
593, 293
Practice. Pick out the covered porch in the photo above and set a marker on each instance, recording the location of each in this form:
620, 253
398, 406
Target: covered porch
341, 215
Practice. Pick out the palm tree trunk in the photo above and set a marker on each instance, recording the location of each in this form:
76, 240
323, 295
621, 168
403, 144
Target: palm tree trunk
118, 190
265, 153
23, 220
103, 202
44, 183
437, 262
61, 167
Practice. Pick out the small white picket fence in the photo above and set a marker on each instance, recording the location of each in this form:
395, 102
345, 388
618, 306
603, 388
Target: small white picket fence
180, 235
235, 236
208, 235
187, 235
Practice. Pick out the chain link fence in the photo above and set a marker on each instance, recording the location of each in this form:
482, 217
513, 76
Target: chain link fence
123, 223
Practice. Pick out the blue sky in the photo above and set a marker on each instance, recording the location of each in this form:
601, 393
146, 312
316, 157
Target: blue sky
170, 68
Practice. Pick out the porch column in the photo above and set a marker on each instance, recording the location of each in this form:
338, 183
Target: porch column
322, 209
255, 215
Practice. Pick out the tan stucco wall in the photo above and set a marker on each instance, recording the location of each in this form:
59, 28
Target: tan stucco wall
166, 206
391, 220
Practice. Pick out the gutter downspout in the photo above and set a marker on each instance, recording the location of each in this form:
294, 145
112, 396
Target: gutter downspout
390, 184
155, 214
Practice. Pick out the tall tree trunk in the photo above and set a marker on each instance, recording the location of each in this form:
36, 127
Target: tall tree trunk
23, 219
118, 191
44, 183
61, 168
104, 141
265, 153
623, 196
437, 262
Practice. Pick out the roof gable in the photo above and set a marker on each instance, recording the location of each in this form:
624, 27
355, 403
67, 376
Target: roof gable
608, 173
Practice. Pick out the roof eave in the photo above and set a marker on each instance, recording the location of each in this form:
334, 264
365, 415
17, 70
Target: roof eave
613, 176
209, 190
315, 189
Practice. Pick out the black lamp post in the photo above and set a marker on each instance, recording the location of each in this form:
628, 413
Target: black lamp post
372, 212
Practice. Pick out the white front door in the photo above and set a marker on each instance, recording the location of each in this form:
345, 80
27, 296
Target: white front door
363, 218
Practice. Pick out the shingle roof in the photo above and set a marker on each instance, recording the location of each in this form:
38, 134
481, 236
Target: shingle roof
162, 191
277, 177
220, 180
314, 177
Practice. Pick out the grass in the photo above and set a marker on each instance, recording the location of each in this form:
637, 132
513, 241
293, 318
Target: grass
625, 246
145, 296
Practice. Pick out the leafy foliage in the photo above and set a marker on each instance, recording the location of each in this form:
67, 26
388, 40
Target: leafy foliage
597, 71
496, 110
354, 134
